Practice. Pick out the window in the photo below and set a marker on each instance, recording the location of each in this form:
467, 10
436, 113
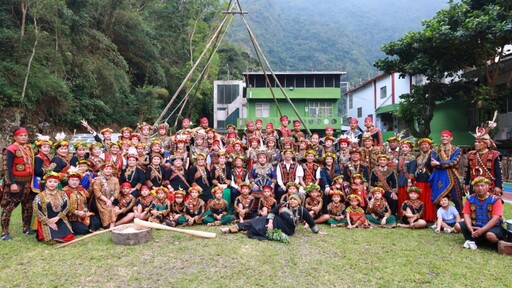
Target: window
350, 101
262, 110
227, 93
383, 92
359, 112
320, 109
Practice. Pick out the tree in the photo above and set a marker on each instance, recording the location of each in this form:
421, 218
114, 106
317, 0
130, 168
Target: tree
468, 35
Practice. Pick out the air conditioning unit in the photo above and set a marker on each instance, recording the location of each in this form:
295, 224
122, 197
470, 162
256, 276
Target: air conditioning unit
505, 133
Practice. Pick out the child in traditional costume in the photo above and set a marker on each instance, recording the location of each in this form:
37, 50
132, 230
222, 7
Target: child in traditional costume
81, 219
177, 215
83, 167
217, 212
123, 205
378, 211
267, 201
244, 203
357, 188
50, 208
291, 188
336, 209
412, 210
161, 206
314, 203
355, 214
194, 207
142, 206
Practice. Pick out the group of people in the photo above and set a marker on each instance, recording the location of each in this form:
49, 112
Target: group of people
258, 179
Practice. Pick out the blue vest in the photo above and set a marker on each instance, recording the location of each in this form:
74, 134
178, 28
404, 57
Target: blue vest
481, 212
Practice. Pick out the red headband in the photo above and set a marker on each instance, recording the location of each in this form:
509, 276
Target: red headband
20, 131
447, 132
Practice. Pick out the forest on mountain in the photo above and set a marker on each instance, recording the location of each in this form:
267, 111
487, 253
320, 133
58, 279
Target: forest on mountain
119, 62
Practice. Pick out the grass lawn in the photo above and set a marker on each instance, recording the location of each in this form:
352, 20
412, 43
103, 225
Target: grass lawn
342, 258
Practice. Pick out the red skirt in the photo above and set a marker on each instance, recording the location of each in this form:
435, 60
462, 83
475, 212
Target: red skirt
402, 196
430, 211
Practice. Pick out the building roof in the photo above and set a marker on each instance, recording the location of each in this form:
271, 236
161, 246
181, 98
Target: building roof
296, 93
366, 83
299, 73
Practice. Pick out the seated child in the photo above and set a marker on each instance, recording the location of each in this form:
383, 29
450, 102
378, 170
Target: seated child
123, 205
378, 212
194, 207
267, 201
355, 214
217, 212
143, 203
336, 209
314, 203
160, 208
357, 188
412, 210
291, 188
177, 213
448, 217
244, 203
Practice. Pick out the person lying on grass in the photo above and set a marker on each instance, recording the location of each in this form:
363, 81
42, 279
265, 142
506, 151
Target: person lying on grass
285, 217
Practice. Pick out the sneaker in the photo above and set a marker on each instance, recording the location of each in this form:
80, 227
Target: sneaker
447, 230
470, 245
433, 226
6, 237
28, 231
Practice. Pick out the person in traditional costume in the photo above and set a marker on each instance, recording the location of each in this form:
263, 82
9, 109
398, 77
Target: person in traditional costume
123, 205
133, 175
252, 152
240, 174
249, 131
96, 158
314, 203
311, 169
483, 214
125, 134
177, 215
176, 175
262, 174
369, 152
51, 207
142, 158
300, 155
217, 211
83, 167
269, 132
384, 177
42, 162
315, 145
329, 145
106, 133
358, 188
185, 125
378, 212
343, 154
355, 166
181, 151
258, 130
222, 176
213, 158
106, 189
135, 140
422, 175
194, 207
283, 133
199, 146
285, 217
61, 156
448, 217
405, 169
292, 188
354, 131
82, 220
445, 176
210, 137
161, 207
145, 130
393, 150
18, 165
412, 210
273, 153
355, 214
155, 172
244, 204
267, 201
287, 171
163, 137
336, 209
327, 174
373, 131
238, 152
485, 161
199, 176
81, 149
115, 157
297, 135
143, 203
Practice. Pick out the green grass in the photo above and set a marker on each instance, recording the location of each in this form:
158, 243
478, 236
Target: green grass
342, 258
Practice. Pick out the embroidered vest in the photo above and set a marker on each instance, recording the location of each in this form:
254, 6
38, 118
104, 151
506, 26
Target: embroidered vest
288, 175
481, 212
